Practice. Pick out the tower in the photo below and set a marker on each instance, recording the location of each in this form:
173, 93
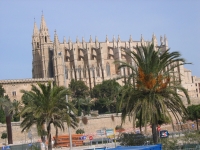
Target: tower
37, 61
42, 51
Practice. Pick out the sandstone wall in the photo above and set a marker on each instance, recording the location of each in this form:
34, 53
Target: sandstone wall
94, 123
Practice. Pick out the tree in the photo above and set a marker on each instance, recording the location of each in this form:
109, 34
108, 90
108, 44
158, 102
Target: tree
46, 105
194, 113
5, 106
16, 106
83, 105
79, 92
107, 94
78, 89
2, 114
87, 103
152, 87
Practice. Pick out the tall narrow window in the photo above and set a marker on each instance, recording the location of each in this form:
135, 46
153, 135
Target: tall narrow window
38, 46
98, 72
108, 69
93, 71
45, 38
14, 93
124, 71
84, 72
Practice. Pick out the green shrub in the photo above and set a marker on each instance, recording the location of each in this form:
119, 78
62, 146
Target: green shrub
4, 135
130, 139
80, 131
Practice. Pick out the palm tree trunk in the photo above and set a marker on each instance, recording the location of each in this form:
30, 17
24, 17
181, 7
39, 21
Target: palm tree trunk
9, 129
49, 137
197, 123
154, 133
56, 139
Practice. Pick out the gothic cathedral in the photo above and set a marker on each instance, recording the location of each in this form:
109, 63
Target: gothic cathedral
91, 62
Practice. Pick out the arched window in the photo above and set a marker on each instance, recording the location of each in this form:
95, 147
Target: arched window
45, 39
92, 74
38, 46
124, 71
108, 69
84, 72
98, 71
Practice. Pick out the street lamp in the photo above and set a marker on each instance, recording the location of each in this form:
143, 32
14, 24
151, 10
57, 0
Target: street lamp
69, 130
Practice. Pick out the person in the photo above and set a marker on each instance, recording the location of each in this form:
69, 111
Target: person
52, 141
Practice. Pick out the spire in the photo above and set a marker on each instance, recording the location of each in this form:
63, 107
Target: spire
83, 40
77, 40
166, 41
118, 40
35, 29
107, 39
161, 40
142, 39
96, 39
154, 40
114, 38
43, 26
69, 41
56, 41
153, 36
130, 39
90, 39
64, 40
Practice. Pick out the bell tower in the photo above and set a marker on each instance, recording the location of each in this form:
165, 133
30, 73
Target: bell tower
37, 61
46, 50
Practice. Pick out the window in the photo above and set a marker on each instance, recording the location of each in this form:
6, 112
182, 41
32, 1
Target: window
108, 69
14, 93
45, 39
98, 71
38, 46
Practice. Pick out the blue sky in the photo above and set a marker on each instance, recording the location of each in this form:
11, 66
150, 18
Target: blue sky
179, 20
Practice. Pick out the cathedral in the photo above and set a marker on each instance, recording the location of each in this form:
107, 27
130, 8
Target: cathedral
91, 62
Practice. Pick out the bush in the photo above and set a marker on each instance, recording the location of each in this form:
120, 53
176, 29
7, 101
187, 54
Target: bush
130, 139
4, 135
80, 131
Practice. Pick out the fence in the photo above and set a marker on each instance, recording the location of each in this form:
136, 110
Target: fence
30, 146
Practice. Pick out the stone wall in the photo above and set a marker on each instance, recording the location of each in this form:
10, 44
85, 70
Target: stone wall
94, 123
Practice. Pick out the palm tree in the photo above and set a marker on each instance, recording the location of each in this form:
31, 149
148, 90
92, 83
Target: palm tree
88, 103
154, 92
6, 105
46, 105
16, 107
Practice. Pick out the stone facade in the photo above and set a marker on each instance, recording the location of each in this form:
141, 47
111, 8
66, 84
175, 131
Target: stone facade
91, 62
13, 87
